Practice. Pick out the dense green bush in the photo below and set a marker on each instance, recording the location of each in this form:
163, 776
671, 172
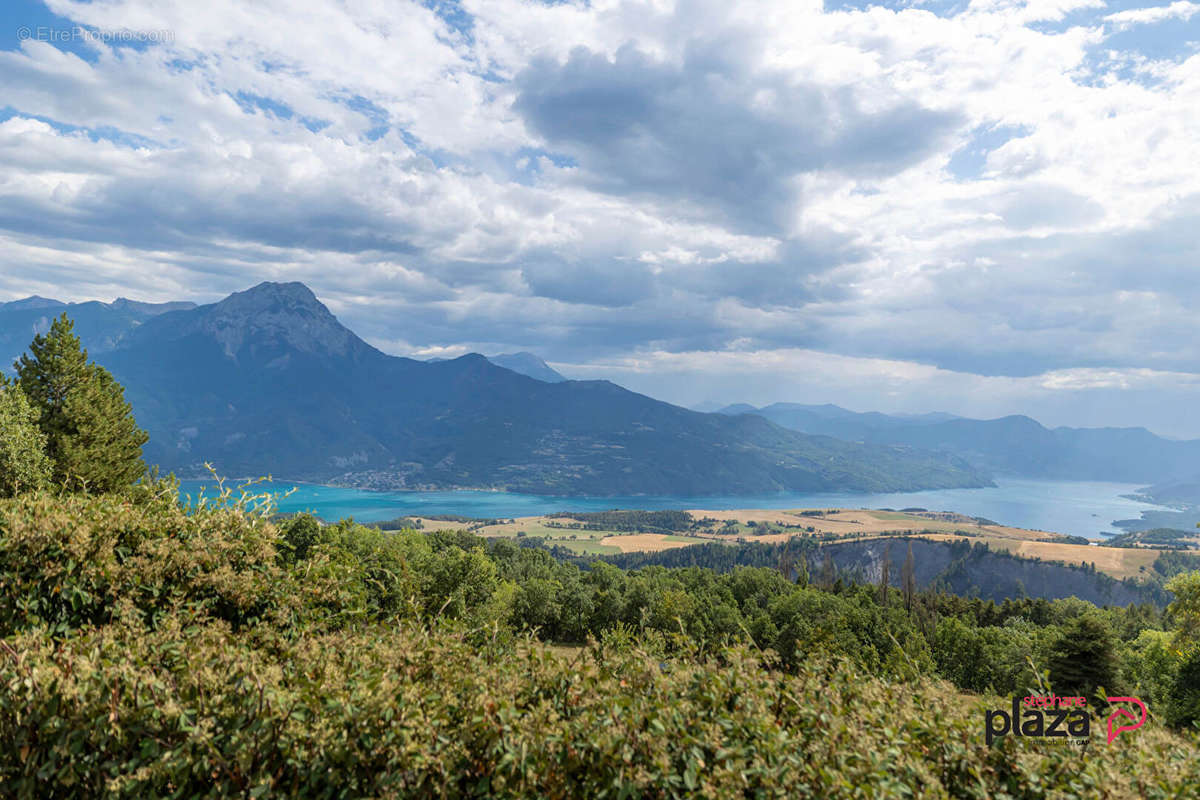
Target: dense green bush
376, 711
147, 650
1083, 659
74, 561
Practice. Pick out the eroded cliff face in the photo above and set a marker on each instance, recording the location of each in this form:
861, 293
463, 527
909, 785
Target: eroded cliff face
972, 570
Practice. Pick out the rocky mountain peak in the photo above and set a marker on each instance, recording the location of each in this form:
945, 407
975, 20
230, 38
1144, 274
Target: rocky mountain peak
286, 315
269, 321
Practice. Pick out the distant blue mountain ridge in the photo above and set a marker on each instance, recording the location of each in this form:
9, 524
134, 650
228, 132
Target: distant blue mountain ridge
1014, 445
268, 381
102, 325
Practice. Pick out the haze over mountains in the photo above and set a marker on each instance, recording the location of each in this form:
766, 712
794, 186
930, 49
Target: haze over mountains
268, 381
1013, 445
524, 362
527, 364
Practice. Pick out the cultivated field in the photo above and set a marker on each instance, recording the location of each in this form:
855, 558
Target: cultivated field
1119, 562
842, 524
649, 542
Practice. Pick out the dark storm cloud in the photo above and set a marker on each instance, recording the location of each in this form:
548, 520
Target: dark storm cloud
602, 283
707, 133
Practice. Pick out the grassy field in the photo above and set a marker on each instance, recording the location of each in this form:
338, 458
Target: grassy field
1119, 562
589, 547
650, 542
775, 525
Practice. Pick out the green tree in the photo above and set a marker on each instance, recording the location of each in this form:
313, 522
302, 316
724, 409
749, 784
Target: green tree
23, 461
1183, 706
1151, 666
1185, 609
300, 534
92, 438
1184, 612
1083, 659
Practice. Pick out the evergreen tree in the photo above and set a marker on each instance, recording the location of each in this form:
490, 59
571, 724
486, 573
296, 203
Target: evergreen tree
1083, 659
23, 461
92, 438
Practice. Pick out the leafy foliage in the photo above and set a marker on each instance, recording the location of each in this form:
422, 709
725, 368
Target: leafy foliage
1184, 698
1186, 608
24, 465
151, 650
197, 712
1171, 563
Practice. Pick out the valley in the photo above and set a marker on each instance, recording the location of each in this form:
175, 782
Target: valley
268, 380
830, 525
621, 400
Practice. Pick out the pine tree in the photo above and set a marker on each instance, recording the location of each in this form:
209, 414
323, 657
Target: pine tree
92, 439
23, 462
1083, 659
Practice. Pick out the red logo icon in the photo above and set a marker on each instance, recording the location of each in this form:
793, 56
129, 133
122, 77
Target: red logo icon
1115, 727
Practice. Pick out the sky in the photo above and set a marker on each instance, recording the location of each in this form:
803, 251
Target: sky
983, 207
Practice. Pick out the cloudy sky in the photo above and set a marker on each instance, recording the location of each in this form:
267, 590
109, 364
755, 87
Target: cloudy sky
981, 207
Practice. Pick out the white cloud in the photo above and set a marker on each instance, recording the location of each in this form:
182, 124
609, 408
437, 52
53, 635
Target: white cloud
998, 191
1180, 9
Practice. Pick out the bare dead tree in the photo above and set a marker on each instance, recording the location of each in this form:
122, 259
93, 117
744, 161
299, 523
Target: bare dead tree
828, 572
908, 579
885, 570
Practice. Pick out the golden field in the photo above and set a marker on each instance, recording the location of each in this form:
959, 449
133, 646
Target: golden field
776, 525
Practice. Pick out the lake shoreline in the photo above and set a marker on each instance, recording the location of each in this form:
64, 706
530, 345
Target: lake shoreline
1082, 508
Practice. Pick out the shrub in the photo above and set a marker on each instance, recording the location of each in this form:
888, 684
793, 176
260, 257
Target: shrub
202, 711
148, 651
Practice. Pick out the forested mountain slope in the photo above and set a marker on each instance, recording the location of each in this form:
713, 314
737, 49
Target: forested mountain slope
268, 380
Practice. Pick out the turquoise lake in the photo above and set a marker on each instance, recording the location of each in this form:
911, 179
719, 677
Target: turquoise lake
1082, 508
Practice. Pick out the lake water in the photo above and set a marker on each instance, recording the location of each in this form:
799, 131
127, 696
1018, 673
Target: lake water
1083, 508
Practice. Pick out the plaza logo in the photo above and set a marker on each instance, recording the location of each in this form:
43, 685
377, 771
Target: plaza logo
1059, 718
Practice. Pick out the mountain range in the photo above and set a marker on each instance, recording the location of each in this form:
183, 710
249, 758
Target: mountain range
524, 362
1013, 445
99, 325
102, 325
268, 381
